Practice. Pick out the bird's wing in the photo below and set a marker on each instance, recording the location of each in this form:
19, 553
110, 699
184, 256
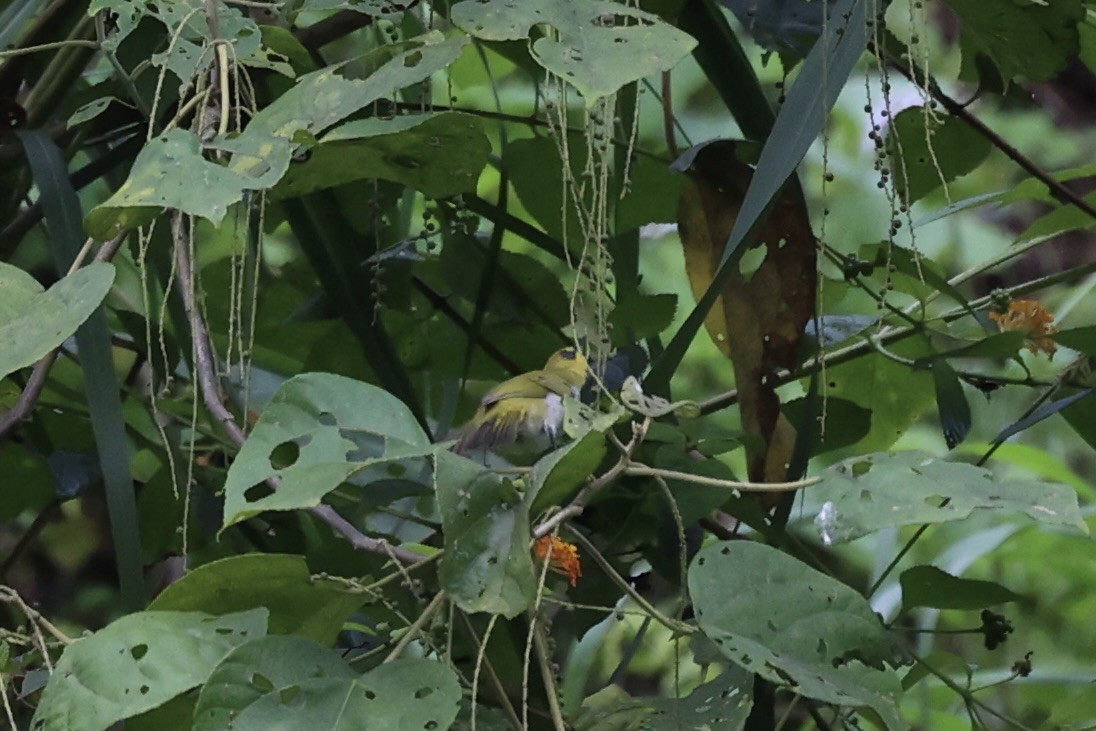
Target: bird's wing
554, 382
527, 385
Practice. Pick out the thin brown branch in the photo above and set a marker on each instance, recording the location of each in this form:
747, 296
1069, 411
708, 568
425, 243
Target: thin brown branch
207, 381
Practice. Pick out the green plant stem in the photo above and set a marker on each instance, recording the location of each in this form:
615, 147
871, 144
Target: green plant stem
591, 550
967, 695
77, 42
496, 682
416, 627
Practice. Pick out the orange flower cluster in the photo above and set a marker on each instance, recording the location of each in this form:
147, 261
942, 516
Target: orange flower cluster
1029, 317
562, 557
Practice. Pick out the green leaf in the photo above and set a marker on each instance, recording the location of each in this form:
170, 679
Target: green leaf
281, 583
951, 403
138, 663
928, 586
327, 427
255, 668
642, 316
893, 393
36, 323
487, 565
1081, 415
865, 494
559, 474
927, 151
1061, 219
794, 626
535, 169
722, 703
599, 46
17, 290
439, 154
999, 345
1033, 40
845, 423
324, 98
171, 172
1081, 339
397, 696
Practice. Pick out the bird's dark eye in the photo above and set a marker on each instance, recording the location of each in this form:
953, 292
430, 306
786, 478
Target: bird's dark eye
568, 353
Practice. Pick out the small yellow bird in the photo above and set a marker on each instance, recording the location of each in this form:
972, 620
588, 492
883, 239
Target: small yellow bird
526, 406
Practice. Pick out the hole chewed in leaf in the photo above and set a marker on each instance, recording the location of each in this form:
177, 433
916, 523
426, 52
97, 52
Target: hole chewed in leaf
257, 492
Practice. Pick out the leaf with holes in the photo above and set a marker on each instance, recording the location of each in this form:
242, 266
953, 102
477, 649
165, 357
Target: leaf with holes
927, 152
396, 696
439, 154
282, 583
487, 565
318, 430
35, 322
722, 703
599, 46
171, 171
268, 664
795, 626
865, 494
138, 663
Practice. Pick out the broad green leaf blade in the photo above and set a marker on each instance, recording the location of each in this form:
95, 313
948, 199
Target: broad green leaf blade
17, 289
928, 586
893, 393
327, 428
722, 703
35, 324
865, 494
799, 122
281, 583
397, 696
998, 345
599, 47
951, 403
1081, 415
1031, 40
324, 98
1081, 339
558, 475
927, 152
794, 626
256, 668
439, 154
487, 565
138, 663
171, 172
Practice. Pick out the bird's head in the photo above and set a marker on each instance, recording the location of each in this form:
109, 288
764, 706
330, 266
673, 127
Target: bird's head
570, 363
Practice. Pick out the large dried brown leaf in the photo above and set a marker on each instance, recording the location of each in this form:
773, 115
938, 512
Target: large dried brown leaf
759, 319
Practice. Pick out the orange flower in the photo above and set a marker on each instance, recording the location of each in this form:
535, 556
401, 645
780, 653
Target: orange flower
1029, 317
562, 557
